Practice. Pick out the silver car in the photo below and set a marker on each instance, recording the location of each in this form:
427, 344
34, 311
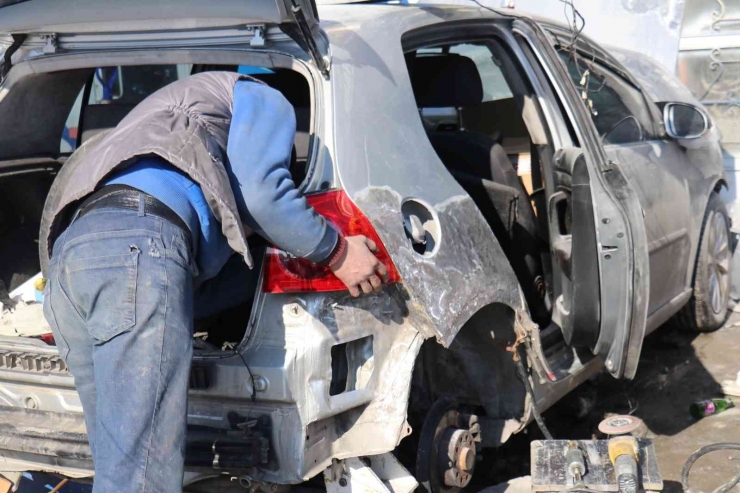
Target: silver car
541, 210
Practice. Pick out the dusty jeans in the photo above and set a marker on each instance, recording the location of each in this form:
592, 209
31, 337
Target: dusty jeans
120, 303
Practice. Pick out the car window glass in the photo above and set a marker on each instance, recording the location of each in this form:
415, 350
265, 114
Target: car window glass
493, 112
494, 84
617, 108
120, 89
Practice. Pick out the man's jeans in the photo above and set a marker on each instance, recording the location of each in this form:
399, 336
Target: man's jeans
120, 303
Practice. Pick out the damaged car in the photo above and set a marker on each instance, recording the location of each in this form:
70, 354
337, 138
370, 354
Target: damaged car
539, 208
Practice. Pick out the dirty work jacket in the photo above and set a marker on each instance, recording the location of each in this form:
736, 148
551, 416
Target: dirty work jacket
187, 124
261, 140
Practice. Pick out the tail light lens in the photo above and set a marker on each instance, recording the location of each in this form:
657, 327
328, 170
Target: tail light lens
285, 273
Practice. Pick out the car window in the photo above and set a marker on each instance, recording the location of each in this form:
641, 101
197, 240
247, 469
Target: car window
617, 107
494, 84
463, 87
120, 89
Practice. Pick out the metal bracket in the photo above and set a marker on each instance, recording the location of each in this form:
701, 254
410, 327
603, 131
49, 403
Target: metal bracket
377, 474
258, 36
305, 32
52, 43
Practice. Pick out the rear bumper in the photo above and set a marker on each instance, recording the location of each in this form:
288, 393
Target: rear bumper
56, 435
330, 373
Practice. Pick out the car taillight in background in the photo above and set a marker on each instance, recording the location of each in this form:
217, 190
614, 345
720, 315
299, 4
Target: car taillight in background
287, 274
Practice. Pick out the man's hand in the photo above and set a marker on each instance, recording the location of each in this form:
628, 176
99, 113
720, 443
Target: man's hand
359, 268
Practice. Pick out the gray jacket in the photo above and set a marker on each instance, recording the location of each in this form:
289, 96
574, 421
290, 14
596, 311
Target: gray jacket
187, 123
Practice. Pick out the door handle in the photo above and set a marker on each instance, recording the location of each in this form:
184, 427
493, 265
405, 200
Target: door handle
562, 244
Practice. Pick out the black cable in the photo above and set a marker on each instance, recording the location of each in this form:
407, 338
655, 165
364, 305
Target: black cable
251, 375
575, 31
525, 378
702, 452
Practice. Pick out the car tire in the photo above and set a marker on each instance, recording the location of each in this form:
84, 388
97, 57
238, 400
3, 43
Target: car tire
706, 311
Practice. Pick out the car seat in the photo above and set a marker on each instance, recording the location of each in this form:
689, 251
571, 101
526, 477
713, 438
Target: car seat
481, 166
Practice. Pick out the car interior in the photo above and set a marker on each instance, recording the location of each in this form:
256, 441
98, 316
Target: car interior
67, 108
473, 114
483, 120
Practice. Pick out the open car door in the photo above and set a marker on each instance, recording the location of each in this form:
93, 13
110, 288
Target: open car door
601, 255
598, 239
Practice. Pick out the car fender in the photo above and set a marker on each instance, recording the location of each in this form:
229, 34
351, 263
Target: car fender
467, 271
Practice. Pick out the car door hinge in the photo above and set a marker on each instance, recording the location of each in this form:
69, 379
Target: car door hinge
52, 43
258, 36
610, 165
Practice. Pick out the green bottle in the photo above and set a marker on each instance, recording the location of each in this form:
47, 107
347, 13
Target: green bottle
701, 409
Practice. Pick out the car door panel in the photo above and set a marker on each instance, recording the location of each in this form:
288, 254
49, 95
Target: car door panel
620, 239
579, 304
659, 174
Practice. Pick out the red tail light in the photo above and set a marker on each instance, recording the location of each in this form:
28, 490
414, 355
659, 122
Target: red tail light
287, 274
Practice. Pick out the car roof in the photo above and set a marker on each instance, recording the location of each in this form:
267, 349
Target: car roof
368, 9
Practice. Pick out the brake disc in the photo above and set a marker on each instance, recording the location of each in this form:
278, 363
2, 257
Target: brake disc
445, 460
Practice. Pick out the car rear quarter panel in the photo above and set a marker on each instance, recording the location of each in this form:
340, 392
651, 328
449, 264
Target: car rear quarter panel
384, 158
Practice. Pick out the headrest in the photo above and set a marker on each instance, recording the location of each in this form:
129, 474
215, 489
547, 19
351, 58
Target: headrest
442, 81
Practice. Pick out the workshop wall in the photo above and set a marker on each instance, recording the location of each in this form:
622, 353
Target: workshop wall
709, 65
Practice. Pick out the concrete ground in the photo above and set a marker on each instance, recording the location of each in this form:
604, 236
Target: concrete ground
710, 359
676, 368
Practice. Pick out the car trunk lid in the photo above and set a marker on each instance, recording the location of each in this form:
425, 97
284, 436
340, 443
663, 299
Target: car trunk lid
142, 20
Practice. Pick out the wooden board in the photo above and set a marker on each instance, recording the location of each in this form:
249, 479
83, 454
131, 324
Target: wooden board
549, 467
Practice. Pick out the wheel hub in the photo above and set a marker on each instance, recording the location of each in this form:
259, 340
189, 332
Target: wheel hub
447, 450
457, 460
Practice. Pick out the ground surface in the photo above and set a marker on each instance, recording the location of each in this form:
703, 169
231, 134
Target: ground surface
676, 369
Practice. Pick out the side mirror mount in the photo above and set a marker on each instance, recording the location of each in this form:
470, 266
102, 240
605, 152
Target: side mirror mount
685, 121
